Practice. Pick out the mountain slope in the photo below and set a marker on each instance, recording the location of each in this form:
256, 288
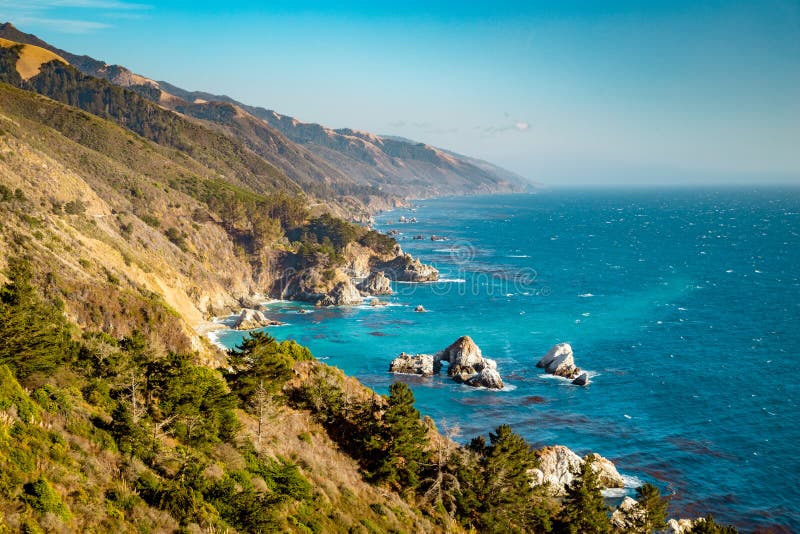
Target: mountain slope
395, 165
375, 169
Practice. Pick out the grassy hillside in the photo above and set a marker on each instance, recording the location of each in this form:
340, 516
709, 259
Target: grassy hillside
31, 58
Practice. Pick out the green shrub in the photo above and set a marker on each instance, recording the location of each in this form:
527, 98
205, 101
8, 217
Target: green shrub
150, 220
41, 496
75, 207
14, 398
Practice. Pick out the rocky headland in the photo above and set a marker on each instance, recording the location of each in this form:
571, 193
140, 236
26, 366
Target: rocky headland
326, 285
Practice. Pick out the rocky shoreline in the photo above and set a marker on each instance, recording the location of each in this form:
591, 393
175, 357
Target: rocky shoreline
364, 273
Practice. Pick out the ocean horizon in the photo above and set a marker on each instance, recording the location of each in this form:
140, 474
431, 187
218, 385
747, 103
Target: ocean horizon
680, 303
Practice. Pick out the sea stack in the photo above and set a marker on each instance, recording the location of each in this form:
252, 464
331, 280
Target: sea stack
466, 364
559, 361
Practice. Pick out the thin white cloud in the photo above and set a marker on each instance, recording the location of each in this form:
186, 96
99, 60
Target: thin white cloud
517, 126
76, 4
64, 25
71, 16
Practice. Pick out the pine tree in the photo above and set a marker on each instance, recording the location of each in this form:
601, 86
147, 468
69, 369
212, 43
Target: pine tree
584, 510
399, 441
496, 493
34, 337
653, 507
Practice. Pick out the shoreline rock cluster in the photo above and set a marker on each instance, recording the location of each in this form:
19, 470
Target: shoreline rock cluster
466, 364
336, 287
558, 465
560, 361
377, 283
249, 319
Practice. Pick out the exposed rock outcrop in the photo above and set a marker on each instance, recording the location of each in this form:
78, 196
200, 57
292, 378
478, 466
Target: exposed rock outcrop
559, 465
344, 293
376, 283
418, 364
464, 357
560, 361
487, 378
627, 515
582, 380
607, 474
406, 268
420, 308
679, 526
249, 319
556, 468
466, 364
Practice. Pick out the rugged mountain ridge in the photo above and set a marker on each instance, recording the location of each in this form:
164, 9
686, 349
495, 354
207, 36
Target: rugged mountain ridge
378, 170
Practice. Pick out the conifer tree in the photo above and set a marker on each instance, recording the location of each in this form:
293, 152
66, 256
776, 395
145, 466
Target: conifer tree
653, 507
34, 337
400, 441
584, 510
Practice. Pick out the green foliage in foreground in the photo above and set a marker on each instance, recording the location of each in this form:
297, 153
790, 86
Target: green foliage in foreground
124, 437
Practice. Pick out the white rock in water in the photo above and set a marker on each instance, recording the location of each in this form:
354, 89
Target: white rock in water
249, 319
419, 364
488, 378
464, 356
553, 353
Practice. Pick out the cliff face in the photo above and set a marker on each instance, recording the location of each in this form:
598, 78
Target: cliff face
128, 231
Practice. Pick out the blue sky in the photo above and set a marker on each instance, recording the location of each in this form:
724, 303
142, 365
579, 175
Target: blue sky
563, 92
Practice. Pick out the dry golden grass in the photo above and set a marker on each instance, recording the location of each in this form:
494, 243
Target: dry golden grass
31, 58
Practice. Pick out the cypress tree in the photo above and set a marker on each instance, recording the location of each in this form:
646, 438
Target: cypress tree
34, 337
653, 506
584, 510
500, 487
400, 441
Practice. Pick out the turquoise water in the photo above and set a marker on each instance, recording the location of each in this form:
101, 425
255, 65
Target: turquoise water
684, 304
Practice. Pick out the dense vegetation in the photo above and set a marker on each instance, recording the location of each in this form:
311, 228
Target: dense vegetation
116, 426
113, 434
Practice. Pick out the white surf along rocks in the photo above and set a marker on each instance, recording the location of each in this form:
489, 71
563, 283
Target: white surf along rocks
466, 364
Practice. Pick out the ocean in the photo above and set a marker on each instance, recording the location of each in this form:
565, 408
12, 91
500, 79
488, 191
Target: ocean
684, 305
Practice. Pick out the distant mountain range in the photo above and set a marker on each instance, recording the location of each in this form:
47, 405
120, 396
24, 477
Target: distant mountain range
377, 170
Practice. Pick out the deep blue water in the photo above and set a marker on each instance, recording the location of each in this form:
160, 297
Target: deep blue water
684, 303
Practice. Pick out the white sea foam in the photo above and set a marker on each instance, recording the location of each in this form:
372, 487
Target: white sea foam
518, 256
213, 337
586, 295
631, 481
614, 493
